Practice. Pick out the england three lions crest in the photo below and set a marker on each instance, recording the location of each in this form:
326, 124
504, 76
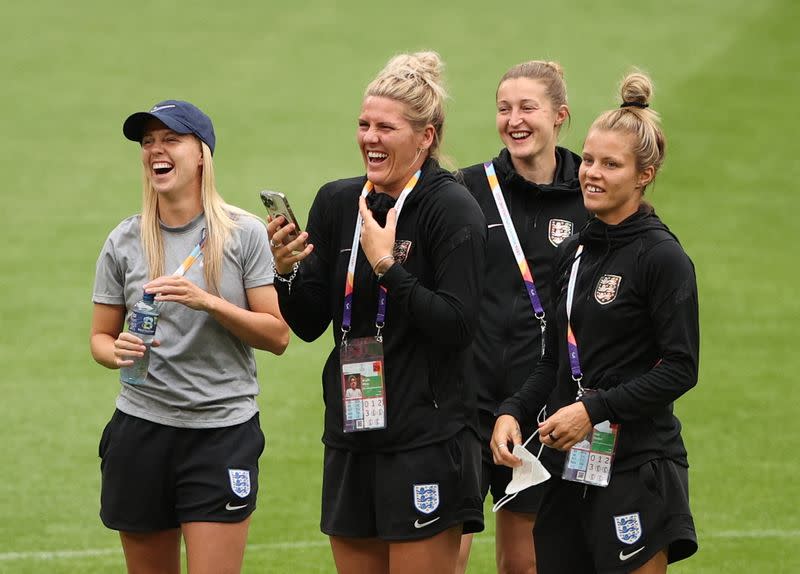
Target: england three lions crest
402, 247
629, 528
607, 289
558, 231
426, 497
240, 482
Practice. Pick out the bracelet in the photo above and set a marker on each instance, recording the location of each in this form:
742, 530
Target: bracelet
284, 278
378, 262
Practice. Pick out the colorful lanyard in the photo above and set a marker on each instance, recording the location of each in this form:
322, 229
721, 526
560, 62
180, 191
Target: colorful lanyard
380, 317
572, 342
513, 240
196, 254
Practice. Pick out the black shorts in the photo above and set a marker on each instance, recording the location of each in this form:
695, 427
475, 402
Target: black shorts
495, 477
618, 528
406, 495
156, 477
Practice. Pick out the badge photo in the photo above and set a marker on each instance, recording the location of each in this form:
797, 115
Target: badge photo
558, 230
607, 289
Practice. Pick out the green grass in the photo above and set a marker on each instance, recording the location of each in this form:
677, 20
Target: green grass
283, 84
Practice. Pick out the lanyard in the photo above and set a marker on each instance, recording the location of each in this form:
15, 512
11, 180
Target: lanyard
513, 240
190, 260
380, 317
572, 342
196, 254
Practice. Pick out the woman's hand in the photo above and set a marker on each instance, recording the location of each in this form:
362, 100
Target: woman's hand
566, 427
376, 241
128, 347
286, 256
505, 437
179, 289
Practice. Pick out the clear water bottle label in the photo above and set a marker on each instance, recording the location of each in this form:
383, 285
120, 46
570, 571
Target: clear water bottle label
143, 324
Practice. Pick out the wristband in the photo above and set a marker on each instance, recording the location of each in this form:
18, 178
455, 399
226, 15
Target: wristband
378, 262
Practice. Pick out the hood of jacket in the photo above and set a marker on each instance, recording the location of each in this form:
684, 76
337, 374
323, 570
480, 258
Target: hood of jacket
565, 179
598, 233
432, 178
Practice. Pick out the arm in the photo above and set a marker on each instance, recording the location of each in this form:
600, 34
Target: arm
306, 304
672, 303
261, 326
110, 345
525, 404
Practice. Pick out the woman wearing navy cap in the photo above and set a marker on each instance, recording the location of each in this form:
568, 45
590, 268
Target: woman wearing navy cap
180, 454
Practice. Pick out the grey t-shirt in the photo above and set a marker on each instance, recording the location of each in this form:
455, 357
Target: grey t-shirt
201, 376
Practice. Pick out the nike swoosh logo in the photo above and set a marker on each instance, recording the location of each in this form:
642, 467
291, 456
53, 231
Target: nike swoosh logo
494, 225
159, 108
229, 507
624, 557
418, 524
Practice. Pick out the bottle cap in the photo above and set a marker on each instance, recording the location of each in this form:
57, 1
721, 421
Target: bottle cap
149, 297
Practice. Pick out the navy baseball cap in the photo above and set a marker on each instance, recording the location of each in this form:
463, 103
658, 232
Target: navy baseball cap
179, 116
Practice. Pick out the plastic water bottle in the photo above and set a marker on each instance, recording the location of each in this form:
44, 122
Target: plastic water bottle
141, 323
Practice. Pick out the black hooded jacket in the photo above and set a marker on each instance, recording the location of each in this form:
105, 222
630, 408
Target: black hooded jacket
433, 296
635, 319
508, 343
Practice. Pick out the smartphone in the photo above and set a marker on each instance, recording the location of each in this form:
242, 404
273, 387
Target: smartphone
277, 204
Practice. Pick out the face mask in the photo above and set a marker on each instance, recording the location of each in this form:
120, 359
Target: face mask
531, 473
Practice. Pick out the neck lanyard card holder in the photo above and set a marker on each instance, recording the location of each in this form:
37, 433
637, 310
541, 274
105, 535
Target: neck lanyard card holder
362, 363
589, 461
362, 359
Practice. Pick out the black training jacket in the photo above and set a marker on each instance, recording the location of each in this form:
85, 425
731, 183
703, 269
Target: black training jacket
508, 343
432, 310
635, 320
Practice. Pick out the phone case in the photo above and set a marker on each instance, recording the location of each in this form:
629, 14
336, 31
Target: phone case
277, 204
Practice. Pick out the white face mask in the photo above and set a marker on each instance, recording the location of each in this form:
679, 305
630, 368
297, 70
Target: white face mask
530, 473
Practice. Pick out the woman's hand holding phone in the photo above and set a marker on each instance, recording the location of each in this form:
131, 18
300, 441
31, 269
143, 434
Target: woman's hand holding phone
286, 254
287, 242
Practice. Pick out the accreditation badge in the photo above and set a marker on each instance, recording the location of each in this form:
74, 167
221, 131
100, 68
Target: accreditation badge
589, 461
363, 389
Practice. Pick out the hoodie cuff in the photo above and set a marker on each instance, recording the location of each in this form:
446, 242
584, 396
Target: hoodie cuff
595, 405
394, 276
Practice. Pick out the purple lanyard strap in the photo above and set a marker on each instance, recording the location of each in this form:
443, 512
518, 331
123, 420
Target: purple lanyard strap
516, 247
572, 342
380, 317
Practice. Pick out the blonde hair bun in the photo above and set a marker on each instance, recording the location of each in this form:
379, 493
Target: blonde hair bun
636, 87
415, 80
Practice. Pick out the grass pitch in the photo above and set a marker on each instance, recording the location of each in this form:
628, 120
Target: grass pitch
283, 84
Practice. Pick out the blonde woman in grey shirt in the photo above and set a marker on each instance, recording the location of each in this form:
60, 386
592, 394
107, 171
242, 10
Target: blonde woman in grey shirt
179, 457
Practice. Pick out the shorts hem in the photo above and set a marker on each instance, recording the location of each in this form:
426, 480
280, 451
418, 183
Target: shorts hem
122, 527
681, 540
471, 523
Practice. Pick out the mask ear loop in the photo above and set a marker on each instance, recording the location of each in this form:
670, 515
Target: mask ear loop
540, 418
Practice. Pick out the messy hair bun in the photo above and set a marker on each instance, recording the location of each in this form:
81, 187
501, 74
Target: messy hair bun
636, 117
415, 80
